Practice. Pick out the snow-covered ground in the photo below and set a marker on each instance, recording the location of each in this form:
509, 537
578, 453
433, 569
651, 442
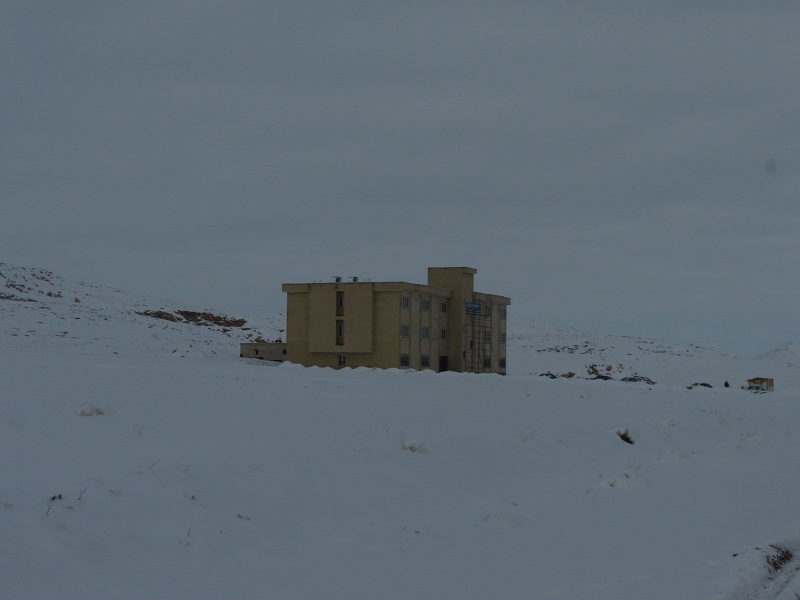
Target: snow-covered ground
142, 458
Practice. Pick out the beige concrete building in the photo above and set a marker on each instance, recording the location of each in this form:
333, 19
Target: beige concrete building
444, 325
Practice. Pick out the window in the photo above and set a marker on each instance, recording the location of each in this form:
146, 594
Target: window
339, 304
403, 330
503, 336
426, 360
488, 336
339, 332
444, 334
503, 312
404, 360
403, 301
342, 360
426, 333
426, 304
503, 362
487, 363
444, 307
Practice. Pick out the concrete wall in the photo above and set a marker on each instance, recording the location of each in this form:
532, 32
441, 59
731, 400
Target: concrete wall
263, 350
372, 314
459, 280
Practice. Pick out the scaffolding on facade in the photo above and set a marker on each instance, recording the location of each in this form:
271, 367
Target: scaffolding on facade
480, 353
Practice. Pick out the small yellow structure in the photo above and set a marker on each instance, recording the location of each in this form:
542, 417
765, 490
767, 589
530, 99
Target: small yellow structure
761, 384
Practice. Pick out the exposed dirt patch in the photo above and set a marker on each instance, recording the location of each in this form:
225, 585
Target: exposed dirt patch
779, 559
202, 319
14, 297
160, 314
207, 318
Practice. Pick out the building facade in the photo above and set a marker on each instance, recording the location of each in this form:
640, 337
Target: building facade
443, 325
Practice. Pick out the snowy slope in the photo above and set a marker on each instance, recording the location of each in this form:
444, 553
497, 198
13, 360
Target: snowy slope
210, 476
546, 348
41, 309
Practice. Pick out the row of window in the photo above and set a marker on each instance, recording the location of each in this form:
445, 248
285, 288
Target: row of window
425, 332
425, 361
405, 302
426, 304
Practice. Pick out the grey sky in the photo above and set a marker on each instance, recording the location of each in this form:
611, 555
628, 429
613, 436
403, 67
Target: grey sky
626, 167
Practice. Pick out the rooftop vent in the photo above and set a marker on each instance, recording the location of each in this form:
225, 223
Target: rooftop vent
337, 279
354, 279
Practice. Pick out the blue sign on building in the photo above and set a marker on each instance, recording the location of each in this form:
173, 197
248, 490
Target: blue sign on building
473, 308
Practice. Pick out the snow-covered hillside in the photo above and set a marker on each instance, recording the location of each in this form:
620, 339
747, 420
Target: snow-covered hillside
144, 459
39, 308
543, 348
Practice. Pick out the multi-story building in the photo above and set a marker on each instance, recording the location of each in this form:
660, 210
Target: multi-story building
444, 325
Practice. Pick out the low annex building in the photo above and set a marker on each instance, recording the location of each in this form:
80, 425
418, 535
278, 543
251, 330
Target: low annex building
274, 351
443, 325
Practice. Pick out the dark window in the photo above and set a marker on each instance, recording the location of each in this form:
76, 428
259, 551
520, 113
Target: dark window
503, 363
426, 304
339, 304
444, 334
404, 360
339, 332
503, 313
426, 360
487, 363
403, 330
444, 307
426, 333
342, 360
403, 301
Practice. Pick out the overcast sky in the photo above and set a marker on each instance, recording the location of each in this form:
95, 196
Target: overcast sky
624, 167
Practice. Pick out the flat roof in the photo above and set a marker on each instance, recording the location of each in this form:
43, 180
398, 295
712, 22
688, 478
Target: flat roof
379, 286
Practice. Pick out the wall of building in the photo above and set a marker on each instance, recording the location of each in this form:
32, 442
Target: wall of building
460, 282
297, 324
263, 350
356, 318
371, 317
